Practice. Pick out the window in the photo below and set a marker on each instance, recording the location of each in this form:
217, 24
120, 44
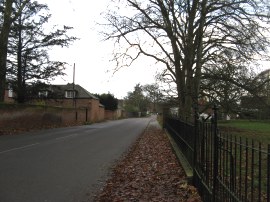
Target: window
70, 94
10, 93
43, 94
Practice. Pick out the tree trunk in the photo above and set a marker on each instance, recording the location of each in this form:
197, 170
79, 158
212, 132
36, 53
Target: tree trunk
3, 47
199, 44
20, 88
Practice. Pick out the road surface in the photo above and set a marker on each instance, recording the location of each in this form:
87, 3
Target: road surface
63, 164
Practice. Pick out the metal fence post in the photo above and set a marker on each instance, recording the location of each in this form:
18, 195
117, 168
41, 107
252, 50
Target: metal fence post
196, 125
165, 114
268, 173
216, 145
195, 136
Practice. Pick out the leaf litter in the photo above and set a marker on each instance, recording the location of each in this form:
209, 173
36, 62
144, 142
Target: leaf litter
150, 171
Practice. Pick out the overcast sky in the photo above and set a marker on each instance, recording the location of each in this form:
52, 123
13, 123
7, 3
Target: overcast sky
90, 54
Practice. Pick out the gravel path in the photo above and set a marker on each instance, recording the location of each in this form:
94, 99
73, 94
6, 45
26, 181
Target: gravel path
149, 172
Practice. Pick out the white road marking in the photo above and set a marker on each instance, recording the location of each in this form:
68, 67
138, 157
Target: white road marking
18, 148
31, 145
64, 137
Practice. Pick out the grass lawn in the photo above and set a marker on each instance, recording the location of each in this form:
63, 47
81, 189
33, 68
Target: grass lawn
252, 129
252, 172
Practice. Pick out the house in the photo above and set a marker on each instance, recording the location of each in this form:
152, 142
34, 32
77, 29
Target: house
68, 95
71, 96
53, 105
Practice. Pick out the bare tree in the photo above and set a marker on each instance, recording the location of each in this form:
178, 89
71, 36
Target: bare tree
186, 35
217, 85
154, 95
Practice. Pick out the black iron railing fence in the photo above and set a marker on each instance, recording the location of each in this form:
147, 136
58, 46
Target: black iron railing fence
225, 167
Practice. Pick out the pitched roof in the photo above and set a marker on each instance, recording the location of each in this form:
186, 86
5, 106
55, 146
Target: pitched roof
80, 91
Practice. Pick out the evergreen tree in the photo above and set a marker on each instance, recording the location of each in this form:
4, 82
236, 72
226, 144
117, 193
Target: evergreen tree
7, 17
109, 101
29, 44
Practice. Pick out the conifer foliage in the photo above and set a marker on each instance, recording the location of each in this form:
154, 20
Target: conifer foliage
30, 39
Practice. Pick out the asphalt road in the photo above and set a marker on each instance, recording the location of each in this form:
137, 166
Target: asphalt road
63, 164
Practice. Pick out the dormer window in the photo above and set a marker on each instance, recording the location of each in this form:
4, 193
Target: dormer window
43, 94
70, 94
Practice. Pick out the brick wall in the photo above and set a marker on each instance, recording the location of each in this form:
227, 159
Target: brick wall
53, 113
112, 115
101, 113
21, 117
93, 110
65, 102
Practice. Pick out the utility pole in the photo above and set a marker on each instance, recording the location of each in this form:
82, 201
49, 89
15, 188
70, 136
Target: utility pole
73, 90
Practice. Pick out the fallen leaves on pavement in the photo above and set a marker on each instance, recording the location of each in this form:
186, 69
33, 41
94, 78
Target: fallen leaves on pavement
149, 172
